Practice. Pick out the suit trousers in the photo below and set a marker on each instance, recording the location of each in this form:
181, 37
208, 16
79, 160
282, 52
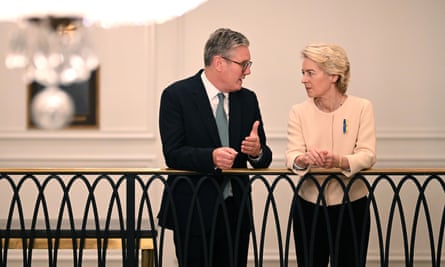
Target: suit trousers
216, 248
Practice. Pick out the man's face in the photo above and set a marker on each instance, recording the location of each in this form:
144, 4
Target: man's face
235, 68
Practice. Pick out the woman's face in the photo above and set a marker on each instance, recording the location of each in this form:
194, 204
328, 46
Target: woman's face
316, 81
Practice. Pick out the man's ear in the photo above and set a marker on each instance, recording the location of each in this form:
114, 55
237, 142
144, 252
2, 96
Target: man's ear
217, 62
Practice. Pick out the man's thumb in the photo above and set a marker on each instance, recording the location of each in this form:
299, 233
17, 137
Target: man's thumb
254, 130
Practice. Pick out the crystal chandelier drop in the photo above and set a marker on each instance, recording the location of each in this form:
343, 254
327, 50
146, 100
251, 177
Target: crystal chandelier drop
51, 44
53, 51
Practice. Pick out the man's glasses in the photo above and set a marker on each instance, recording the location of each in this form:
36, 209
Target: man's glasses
244, 65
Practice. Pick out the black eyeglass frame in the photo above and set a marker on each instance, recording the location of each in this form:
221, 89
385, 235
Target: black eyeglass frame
244, 65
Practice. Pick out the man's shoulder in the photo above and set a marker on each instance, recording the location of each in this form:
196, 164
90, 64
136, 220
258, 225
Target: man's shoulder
244, 92
185, 83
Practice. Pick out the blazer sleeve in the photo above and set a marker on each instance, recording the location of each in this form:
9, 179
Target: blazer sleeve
266, 158
364, 154
244, 104
184, 144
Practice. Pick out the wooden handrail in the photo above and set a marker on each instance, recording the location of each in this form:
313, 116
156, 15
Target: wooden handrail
167, 171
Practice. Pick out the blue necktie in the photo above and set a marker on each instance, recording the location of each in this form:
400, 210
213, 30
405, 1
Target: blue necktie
223, 130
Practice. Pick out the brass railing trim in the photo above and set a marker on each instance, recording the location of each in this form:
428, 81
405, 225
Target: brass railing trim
67, 243
250, 171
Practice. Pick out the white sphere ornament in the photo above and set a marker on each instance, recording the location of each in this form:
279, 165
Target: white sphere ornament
52, 108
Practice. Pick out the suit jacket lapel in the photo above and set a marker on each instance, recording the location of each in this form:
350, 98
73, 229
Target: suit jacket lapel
204, 110
234, 120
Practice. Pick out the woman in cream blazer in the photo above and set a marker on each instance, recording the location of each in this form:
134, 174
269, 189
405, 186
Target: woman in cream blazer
330, 130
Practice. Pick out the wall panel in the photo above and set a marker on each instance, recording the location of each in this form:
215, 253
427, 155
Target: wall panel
395, 49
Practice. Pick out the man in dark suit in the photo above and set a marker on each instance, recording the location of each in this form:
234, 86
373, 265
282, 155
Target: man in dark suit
210, 211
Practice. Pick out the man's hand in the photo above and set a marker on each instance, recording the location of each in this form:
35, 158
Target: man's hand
223, 157
251, 144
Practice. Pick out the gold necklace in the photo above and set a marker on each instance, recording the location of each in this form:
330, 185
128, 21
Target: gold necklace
325, 108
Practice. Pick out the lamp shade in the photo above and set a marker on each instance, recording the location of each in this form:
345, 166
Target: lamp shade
101, 12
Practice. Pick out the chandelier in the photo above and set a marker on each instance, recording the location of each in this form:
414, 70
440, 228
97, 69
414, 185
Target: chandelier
51, 44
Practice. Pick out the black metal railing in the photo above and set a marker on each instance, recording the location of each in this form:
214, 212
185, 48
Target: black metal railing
51, 206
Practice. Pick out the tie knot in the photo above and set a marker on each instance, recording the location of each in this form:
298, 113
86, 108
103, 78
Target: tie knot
221, 96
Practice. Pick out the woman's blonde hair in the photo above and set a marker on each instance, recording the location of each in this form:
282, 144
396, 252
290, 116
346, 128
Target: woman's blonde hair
332, 59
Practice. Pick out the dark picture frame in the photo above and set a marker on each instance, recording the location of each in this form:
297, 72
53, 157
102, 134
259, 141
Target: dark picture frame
85, 96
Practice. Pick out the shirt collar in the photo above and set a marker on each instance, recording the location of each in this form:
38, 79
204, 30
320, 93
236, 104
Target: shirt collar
211, 90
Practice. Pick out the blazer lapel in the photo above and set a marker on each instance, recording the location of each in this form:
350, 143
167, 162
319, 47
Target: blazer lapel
234, 120
204, 110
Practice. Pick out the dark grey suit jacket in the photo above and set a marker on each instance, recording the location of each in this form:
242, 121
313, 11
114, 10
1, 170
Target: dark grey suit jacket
189, 135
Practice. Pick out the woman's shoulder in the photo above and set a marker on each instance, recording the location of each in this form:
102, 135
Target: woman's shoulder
303, 108
355, 100
306, 103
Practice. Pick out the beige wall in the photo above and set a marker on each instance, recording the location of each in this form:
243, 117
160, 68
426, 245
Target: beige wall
395, 48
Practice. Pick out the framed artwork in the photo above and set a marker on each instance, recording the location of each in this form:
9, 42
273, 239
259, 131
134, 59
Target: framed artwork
85, 96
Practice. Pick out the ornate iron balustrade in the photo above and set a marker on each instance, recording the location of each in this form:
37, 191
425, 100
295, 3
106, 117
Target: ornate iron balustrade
76, 206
